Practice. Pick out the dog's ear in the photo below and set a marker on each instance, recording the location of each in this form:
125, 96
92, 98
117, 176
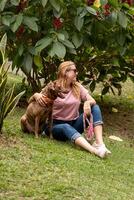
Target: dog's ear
57, 84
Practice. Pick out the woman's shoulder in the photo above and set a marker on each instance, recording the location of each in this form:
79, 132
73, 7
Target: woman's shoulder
81, 86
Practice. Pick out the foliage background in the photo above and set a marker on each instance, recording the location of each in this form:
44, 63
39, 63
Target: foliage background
97, 35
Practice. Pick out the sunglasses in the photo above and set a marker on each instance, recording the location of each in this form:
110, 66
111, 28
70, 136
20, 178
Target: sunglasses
74, 70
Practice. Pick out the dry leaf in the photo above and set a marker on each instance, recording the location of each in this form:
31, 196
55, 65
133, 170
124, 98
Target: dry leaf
113, 137
115, 110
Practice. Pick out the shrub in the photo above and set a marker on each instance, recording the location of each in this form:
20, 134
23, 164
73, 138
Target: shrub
7, 99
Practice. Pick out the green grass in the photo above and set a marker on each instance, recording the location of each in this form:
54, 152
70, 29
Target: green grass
43, 169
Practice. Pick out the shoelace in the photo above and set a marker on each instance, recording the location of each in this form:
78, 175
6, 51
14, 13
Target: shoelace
89, 129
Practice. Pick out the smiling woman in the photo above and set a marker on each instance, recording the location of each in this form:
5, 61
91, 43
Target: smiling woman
67, 121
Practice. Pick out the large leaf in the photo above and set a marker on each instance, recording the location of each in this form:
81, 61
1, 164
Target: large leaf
78, 22
92, 86
6, 20
68, 44
55, 4
122, 18
121, 38
38, 61
77, 40
105, 90
13, 104
2, 90
59, 49
3, 43
91, 10
42, 44
17, 22
15, 2
114, 3
44, 2
31, 23
6, 101
2, 4
28, 61
61, 36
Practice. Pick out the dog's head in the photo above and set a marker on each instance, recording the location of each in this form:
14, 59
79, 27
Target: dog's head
53, 90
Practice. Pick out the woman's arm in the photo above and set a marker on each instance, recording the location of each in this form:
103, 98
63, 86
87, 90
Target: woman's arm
39, 98
88, 103
87, 98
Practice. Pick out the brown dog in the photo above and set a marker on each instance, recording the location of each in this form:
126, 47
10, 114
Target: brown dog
36, 115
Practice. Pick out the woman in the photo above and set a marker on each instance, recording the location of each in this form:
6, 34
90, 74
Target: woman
67, 122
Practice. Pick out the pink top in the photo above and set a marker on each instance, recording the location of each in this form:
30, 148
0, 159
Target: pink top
67, 109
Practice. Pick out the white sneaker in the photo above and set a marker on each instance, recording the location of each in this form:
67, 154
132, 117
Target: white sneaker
101, 150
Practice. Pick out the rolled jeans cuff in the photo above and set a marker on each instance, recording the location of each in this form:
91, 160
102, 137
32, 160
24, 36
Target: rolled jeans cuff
98, 123
75, 136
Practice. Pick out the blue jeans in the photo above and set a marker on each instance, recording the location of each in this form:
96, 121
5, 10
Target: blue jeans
71, 130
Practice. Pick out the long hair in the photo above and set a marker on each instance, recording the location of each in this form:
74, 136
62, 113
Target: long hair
62, 80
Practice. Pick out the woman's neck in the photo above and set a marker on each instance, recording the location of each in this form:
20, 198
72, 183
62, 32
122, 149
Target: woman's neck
68, 86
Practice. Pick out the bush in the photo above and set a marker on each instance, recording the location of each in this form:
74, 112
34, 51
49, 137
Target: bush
7, 99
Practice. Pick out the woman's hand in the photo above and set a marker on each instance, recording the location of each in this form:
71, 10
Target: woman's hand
87, 108
39, 98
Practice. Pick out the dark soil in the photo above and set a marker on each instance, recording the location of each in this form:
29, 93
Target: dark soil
119, 123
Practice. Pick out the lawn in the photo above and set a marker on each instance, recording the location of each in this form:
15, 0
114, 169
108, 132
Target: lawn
44, 169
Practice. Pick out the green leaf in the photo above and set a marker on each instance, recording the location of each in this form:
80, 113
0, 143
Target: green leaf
59, 49
55, 4
2, 89
121, 38
42, 44
15, 2
113, 16
72, 51
122, 19
2, 4
78, 22
77, 40
3, 43
44, 2
17, 22
68, 44
105, 90
31, 23
114, 3
21, 49
103, 2
83, 12
38, 61
91, 10
7, 98
51, 52
28, 61
6, 20
13, 103
61, 36
92, 86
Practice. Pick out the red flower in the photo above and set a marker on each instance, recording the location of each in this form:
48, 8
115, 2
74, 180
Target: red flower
106, 9
107, 6
22, 5
57, 23
90, 2
130, 2
20, 31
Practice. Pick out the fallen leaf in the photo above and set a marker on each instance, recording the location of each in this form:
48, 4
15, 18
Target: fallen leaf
113, 137
115, 110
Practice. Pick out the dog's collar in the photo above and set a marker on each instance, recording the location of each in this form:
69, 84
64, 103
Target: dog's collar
47, 100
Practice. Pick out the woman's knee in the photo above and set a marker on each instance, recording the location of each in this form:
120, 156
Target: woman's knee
61, 127
95, 108
97, 116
